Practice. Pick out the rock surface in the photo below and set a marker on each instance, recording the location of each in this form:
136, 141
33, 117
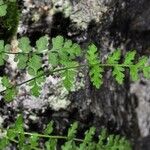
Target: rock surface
110, 24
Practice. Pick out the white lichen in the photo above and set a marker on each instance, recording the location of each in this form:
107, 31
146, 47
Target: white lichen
86, 11
63, 6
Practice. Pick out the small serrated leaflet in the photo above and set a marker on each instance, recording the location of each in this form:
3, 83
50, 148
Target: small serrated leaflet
129, 57
42, 43
142, 62
35, 90
24, 44
53, 58
118, 73
146, 72
114, 57
57, 42
72, 131
134, 73
51, 144
49, 128
35, 63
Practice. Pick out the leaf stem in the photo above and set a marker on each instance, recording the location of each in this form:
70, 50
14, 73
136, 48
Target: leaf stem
47, 136
62, 69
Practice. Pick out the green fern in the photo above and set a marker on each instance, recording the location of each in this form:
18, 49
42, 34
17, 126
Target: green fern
15, 134
63, 60
63, 53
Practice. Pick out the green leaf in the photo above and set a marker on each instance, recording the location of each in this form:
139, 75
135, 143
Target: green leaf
24, 44
51, 144
3, 56
71, 50
129, 57
22, 60
67, 146
68, 75
19, 127
72, 131
40, 77
34, 141
1, 2
96, 75
102, 138
142, 62
10, 94
5, 82
94, 66
11, 134
35, 90
3, 9
4, 142
11, 91
134, 73
146, 72
49, 128
114, 57
19, 124
53, 58
42, 43
89, 135
57, 42
118, 73
88, 138
76, 49
35, 64
1, 45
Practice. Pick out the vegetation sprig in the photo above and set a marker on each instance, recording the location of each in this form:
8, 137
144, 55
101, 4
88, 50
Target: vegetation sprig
63, 56
23, 140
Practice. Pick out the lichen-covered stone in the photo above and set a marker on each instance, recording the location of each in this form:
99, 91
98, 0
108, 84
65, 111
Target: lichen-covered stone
86, 11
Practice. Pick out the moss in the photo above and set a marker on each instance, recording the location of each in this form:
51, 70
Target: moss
9, 23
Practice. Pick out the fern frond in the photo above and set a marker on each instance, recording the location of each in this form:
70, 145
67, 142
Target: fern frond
27, 140
63, 58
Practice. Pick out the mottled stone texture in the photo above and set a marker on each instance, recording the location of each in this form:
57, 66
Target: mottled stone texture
110, 24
